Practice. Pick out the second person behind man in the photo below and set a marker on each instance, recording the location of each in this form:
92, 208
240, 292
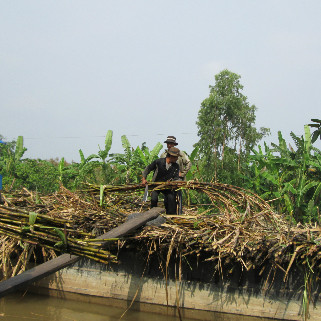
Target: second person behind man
183, 161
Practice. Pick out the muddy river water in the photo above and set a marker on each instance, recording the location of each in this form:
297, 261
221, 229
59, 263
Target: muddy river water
36, 307
45, 308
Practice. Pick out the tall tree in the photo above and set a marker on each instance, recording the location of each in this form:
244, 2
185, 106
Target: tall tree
226, 128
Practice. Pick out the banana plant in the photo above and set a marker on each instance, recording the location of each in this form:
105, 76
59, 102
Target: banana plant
194, 172
266, 179
12, 154
149, 156
317, 132
88, 166
123, 162
132, 162
285, 175
104, 153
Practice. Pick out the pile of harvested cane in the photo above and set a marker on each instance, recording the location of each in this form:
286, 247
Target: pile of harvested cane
238, 227
36, 228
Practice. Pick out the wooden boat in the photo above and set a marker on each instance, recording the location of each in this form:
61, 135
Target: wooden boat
189, 288
197, 294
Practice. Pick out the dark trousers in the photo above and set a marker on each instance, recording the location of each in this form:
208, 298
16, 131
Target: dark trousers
169, 200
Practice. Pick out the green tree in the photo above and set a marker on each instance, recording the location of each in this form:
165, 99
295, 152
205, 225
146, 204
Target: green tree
226, 129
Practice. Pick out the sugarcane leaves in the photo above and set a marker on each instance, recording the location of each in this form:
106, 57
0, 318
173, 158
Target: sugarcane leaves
196, 224
63, 243
32, 221
32, 218
25, 229
101, 195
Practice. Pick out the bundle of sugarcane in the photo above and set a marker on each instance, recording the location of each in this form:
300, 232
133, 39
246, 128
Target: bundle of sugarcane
243, 228
227, 199
228, 244
50, 232
69, 206
38, 227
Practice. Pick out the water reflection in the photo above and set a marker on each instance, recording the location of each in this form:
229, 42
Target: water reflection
37, 307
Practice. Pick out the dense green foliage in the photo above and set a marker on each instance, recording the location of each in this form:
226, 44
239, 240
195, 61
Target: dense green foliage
132, 162
227, 151
291, 177
36, 175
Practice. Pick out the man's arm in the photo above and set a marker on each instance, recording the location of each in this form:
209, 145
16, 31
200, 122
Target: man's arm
186, 164
147, 170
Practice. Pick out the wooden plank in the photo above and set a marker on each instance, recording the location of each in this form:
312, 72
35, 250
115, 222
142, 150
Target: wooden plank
62, 261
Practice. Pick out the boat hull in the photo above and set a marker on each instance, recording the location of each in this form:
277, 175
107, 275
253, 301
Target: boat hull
195, 293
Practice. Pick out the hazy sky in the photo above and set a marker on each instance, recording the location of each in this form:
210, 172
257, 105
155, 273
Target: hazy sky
72, 70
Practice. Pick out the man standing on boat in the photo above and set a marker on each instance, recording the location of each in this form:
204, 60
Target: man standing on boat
165, 169
184, 166
183, 160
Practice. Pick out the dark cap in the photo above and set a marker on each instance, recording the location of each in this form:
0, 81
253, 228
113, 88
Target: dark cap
171, 139
173, 151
